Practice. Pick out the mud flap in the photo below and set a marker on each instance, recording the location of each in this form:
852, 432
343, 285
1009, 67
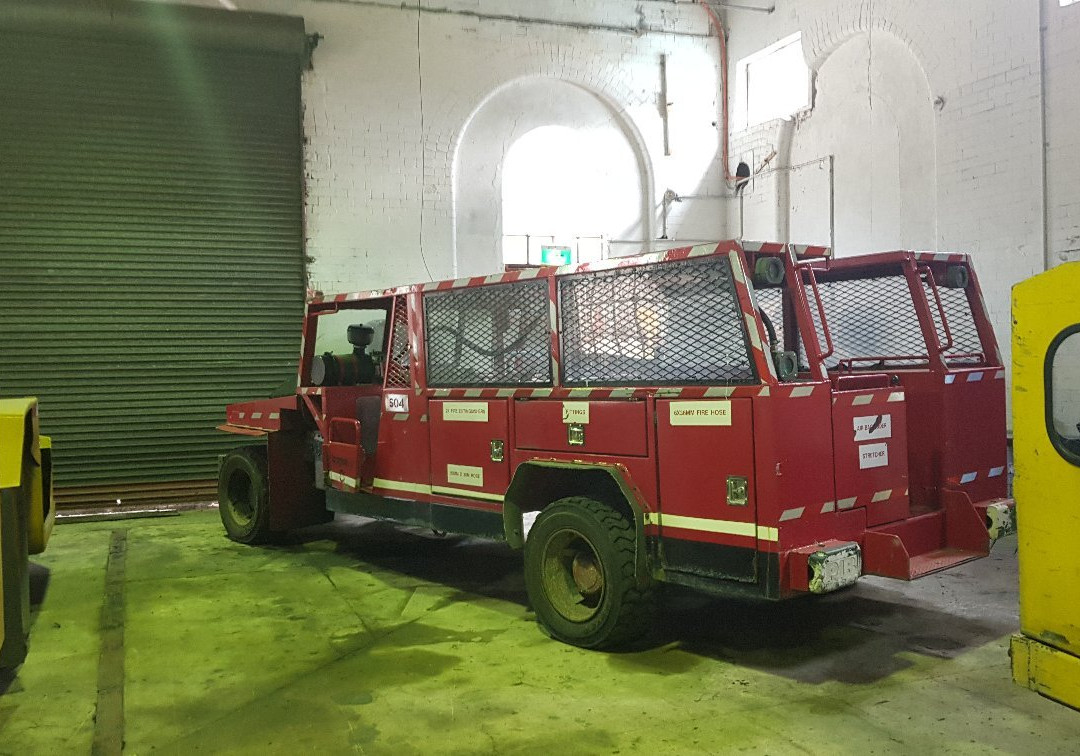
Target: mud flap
294, 500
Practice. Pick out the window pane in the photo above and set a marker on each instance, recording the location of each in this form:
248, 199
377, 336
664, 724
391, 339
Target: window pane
536, 248
515, 249
332, 330
590, 248
776, 82
1065, 395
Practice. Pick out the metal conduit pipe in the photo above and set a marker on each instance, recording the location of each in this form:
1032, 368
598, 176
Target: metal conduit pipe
721, 34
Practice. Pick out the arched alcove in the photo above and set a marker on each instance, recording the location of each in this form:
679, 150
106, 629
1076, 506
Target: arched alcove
577, 185
873, 111
537, 114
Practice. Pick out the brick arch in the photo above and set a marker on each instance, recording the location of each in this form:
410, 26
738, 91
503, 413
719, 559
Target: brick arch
612, 94
917, 215
832, 23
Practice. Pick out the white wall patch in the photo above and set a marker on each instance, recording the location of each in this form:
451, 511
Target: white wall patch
700, 413
466, 412
396, 403
465, 475
873, 427
873, 455
575, 412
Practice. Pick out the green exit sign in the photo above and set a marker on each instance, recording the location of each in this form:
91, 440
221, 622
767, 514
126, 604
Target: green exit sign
555, 255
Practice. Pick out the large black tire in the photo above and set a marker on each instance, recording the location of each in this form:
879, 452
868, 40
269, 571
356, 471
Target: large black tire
580, 572
244, 495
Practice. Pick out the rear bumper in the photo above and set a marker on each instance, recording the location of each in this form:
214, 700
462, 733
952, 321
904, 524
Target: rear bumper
905, 549
961, 530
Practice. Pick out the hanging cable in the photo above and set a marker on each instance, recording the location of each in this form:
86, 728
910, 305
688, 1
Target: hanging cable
423, 151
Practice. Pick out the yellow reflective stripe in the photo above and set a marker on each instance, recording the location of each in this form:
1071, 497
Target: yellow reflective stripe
465, 492
727, 527
767, 534
730, 527
341, 478
401, 485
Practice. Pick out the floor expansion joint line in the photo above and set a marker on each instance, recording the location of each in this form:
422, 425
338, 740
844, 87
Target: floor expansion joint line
109, 717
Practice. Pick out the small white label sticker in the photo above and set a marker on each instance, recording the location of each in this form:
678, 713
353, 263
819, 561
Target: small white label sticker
700, 413
465, 475
575, 412
873, 455
873, 427
467, 412
397, 402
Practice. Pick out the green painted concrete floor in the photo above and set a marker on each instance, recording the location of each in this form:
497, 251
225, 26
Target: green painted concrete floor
359, 638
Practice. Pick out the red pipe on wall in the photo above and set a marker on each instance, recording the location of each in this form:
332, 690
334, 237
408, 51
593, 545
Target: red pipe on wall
718, 27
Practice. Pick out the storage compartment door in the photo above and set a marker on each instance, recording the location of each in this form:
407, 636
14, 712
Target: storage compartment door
469, 450
708, 515
870, 453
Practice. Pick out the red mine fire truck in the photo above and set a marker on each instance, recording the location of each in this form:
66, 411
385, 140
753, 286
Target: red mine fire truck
741, 418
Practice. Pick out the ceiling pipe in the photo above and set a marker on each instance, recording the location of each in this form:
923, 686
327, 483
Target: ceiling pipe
755, 8
718, 27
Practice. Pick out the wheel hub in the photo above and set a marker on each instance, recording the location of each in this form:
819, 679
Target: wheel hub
587, 575
573, 575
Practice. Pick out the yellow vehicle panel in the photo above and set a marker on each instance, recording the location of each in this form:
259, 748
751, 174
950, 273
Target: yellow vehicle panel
1046, 446
14, 414
28, 461
26, 518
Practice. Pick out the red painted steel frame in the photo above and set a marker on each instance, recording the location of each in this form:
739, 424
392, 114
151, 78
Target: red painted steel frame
811, 481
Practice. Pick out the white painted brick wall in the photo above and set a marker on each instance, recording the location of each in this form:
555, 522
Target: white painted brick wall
1062, 49
380, 184
982, 58
372, 171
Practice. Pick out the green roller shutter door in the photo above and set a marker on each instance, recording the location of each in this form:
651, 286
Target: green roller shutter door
151, 264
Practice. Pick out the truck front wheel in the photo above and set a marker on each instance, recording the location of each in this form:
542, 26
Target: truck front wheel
244, 495
580, 573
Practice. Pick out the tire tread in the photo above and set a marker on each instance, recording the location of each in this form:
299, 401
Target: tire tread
636, 602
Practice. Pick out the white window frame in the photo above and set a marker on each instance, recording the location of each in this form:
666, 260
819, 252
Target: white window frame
742, 83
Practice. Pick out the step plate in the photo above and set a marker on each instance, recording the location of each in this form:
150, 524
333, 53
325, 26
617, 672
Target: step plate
941, 559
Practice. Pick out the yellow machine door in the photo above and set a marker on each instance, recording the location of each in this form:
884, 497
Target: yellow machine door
1046, 446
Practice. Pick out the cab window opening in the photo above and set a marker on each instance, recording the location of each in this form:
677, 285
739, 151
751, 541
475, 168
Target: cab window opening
350, 347
1062, 383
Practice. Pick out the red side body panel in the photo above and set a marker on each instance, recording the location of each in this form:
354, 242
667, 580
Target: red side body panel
893, 456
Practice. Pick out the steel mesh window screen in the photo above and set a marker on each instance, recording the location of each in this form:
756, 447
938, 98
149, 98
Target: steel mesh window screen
489, 335
871, 320
967, 346
667, 323
397, 363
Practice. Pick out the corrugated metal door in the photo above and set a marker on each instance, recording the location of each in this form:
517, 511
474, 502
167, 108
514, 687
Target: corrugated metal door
151, 264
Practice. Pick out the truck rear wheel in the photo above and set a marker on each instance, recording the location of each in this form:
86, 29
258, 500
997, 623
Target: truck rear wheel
580, 573
244, 495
